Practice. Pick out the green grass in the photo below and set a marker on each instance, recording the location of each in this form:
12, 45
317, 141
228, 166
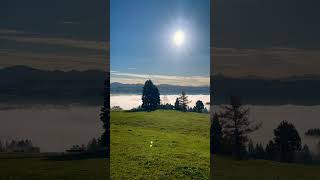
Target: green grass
40, 167
181, 151
228, 169
180, 145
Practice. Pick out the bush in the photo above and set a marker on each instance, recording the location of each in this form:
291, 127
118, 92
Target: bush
116, 108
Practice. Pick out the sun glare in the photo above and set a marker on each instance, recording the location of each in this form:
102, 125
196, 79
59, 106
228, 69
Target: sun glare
178, 38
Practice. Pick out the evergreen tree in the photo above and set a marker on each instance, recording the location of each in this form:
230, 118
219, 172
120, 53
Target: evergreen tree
215, 135
150, 96
251, 150
236, 126
183, 101
199, 107
271, 152
93, 145
287, 141
104, 140
177, 104
307, 157
260, 152
1, 147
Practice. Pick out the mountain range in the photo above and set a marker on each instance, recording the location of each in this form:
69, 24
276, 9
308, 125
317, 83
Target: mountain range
22, 84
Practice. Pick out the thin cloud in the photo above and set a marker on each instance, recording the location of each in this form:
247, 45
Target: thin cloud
92, 45
276, 62
70, 22
11, 31
53, 61
130, 78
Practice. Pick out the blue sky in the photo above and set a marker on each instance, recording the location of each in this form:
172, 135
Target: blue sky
141, 37
250, 39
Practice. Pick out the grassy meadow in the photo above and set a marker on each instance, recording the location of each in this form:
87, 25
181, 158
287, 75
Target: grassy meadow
180, 147
226, 168
15, 166
180, 150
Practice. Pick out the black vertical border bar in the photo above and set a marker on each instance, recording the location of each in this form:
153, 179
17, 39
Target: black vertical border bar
107, 88
212, 47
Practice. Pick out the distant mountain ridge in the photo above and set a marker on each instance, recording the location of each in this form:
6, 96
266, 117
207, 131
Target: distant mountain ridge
23, 84
119, 88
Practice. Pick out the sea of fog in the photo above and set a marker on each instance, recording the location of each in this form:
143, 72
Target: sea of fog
52, 128
303, 118
56, 128
131, 101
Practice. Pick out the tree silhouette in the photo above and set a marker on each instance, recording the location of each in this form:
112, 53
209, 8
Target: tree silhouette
183, 101
150, 96
105, 119
287, 141
199, 106
236, 126
93, 145
271, 152
1, 147
260, 152
215, 135
307, 157
251, 150
177, 104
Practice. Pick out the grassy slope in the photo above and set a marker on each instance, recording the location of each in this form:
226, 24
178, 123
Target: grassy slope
228, 169
39, 167
180, 148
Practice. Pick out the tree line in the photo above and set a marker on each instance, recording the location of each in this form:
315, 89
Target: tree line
313, 132
99, 145
229, 132
151, 101
25, 146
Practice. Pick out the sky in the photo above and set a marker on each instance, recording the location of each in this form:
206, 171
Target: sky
266, 38
142, 46
54, 34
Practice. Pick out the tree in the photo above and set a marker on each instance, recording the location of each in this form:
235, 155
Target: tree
237, 126
271, 152
215, 135
260, 152
251, 150
307, 157
150, 96
177, 104
287, 141
199, 107
1, 147
183, 101
93, 145
104, 140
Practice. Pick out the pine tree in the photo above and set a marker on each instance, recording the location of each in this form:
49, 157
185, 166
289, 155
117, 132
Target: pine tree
236, 126
307, 157
215, 135
271, 152
104, 140
177, 104
287, 141
150, 96
251, 150
183, 101
199, 107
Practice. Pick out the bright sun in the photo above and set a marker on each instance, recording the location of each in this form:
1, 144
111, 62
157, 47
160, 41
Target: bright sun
178, 38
